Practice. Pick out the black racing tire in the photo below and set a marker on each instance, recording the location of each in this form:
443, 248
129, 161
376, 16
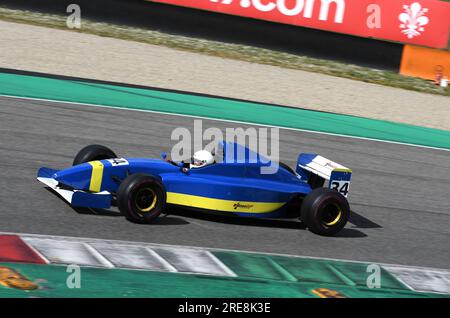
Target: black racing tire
285, 166
141, 198
325, 211
92, 153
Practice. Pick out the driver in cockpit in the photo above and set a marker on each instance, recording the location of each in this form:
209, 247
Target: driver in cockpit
201, 158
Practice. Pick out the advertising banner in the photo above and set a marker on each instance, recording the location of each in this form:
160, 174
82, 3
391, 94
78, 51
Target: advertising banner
421, 22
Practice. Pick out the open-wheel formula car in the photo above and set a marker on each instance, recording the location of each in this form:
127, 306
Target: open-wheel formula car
142, 188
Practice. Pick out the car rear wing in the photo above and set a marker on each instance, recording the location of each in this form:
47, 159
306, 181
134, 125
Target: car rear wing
316, 170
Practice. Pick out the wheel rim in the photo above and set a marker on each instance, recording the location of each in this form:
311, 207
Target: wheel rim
145, 200
331, 215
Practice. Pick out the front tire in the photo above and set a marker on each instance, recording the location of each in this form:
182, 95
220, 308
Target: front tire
141, 198
325, 211
92, 153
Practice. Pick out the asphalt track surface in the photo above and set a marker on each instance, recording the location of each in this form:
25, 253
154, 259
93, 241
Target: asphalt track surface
400, 195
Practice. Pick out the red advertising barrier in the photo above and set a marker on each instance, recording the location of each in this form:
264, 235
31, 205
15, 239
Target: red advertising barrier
422, 22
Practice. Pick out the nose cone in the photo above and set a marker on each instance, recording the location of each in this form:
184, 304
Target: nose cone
78, 176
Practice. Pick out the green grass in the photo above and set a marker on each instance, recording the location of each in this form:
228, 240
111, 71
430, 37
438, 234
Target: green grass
228, 50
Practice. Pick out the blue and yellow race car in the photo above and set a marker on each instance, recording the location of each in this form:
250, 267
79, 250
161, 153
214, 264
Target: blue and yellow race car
142, 188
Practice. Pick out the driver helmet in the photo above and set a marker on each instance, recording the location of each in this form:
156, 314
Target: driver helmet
202, 158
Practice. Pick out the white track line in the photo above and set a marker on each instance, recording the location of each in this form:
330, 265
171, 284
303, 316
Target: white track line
169, 266
228, 120
102, 259
220, 264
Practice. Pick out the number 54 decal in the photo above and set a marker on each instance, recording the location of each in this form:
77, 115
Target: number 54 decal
340, 186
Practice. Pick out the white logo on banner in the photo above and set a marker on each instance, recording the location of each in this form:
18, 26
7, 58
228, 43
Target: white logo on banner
299, 6
413, 20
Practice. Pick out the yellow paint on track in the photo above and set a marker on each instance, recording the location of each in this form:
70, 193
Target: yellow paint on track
11, 278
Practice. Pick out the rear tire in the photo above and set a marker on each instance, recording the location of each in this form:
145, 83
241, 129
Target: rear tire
141, 198
325, 211
92, 153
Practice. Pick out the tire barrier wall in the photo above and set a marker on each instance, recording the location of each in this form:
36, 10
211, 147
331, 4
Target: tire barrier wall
424, 22
235, 29
228, 28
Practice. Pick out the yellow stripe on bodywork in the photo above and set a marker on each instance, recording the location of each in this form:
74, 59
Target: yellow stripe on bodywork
343, 170
222, 205
96, 177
